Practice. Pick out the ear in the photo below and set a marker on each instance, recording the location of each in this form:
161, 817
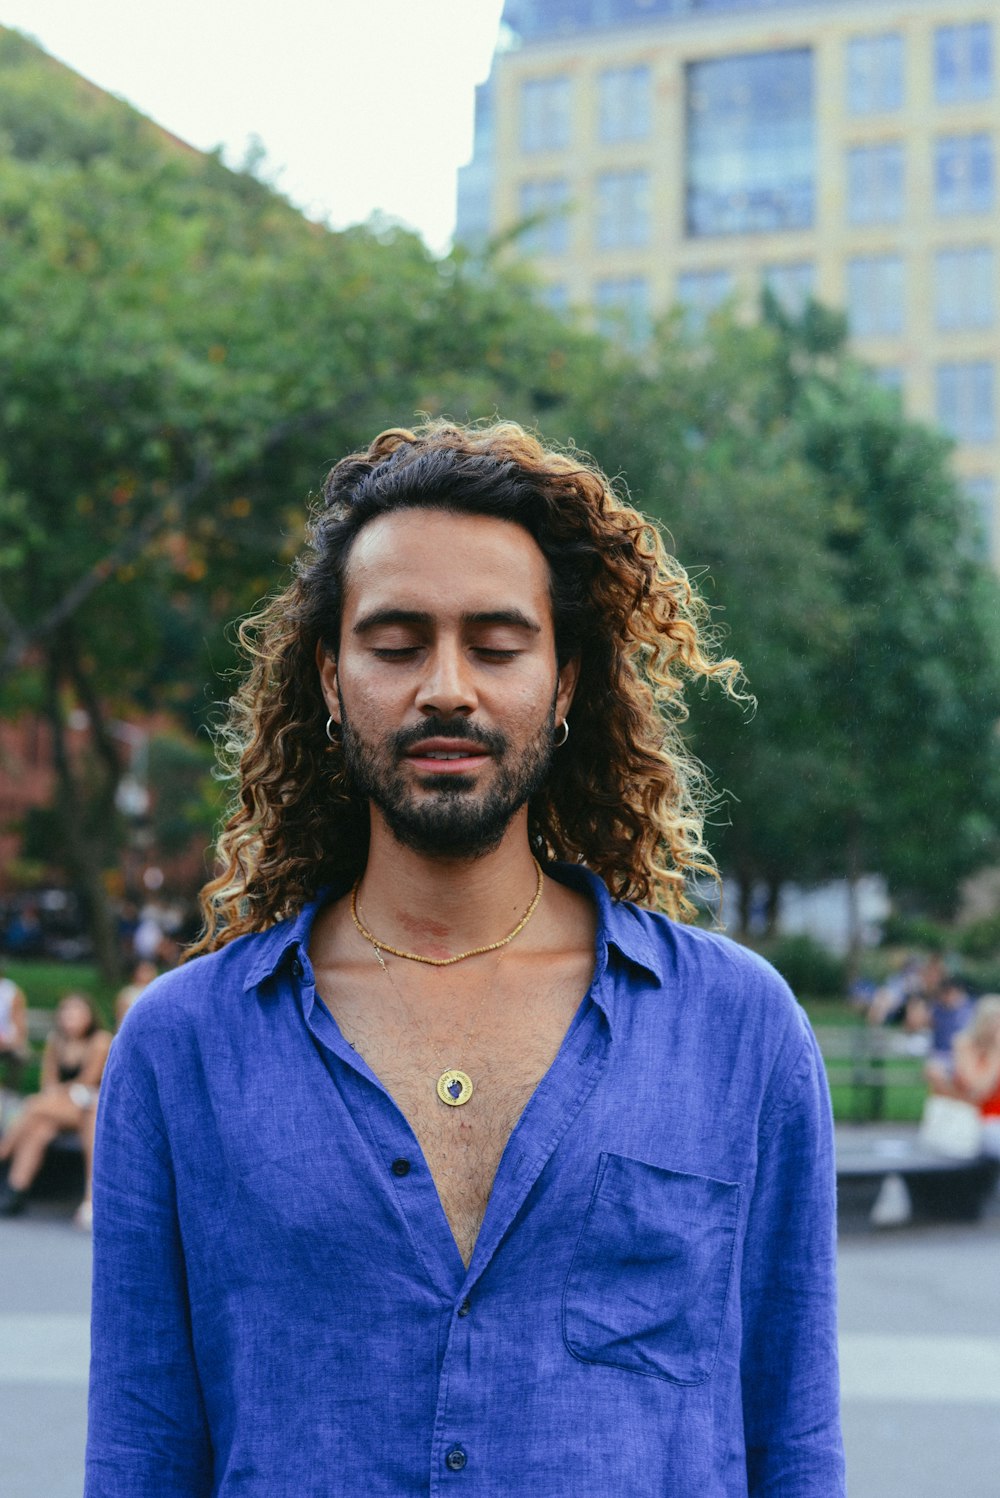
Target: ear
566, 686
326, 663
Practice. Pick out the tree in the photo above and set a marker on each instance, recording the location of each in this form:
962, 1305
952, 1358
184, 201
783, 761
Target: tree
830, 534
181, 355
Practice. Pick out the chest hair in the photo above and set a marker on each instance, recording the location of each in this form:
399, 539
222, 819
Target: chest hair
506, 1061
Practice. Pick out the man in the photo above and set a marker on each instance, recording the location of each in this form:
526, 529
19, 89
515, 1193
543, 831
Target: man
447, 1168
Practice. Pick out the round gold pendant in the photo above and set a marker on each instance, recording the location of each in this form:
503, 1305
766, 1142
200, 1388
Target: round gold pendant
454, 1087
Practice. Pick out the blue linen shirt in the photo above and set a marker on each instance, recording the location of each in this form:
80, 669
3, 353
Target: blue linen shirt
280, 1309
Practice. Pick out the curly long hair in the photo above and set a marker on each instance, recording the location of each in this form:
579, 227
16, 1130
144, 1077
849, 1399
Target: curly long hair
626, 796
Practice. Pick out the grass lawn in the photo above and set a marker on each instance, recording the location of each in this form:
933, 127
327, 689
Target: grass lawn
45, 982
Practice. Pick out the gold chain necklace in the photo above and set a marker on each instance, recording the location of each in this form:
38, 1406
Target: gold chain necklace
454, 1086
494, 946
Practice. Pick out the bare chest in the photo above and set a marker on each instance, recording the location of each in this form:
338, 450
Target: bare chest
462, 1145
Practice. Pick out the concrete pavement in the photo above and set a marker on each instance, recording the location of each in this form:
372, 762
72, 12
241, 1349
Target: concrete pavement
920, 1347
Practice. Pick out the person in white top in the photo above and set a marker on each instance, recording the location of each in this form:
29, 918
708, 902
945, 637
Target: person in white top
13, 1032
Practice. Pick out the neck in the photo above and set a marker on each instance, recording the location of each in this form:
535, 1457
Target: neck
442, 906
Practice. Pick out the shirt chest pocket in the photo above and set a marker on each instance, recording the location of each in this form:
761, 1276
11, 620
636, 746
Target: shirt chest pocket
649, 1280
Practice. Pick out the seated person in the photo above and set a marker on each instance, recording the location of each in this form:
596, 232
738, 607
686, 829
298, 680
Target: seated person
13, 1032
142, 976
950, 1012
977, 1067
72, 1067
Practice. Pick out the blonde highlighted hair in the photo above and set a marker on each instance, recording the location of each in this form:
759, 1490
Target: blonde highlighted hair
625, 796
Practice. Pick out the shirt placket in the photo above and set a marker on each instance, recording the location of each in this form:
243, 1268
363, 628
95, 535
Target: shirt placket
466, 1414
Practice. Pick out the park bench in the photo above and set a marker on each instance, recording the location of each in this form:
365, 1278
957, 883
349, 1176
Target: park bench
871, 1061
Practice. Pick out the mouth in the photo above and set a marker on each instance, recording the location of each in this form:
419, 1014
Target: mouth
447, 756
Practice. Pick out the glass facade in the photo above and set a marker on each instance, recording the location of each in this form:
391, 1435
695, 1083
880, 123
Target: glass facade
624, 104
963, 174
622, 305
623, 218
700, 293
545, 114
963, 63
791, 284
875, 184
888, 377
875, 74
875, 295
981, 491
965, 400
555, 296
544, 203
751, 143
965, 288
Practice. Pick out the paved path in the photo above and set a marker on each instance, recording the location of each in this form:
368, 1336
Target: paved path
920, 1348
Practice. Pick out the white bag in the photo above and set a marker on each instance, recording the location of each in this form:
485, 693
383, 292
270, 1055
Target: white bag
951, 1127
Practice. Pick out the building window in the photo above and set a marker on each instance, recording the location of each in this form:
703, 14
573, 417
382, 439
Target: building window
624, 104
981, 492
875, 184
888, 377
622, 210
545, 119
875, 295
544, 205
751, 147
555, 296
791, 285
622, 306
965, 288
965, 400
963, 174
963, 63
875, 74
700, 293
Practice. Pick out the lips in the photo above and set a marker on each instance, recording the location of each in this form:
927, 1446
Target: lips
447, 756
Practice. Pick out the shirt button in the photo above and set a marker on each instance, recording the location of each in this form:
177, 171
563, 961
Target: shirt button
401, 1167
456, 1459
297, 968
465, 1308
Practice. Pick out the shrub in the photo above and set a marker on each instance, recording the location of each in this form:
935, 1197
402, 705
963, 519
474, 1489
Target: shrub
980, 939
808, 967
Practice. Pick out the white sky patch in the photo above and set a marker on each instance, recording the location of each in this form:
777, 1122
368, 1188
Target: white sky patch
362, 107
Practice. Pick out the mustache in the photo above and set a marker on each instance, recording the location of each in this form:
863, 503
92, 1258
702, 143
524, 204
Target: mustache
449, 728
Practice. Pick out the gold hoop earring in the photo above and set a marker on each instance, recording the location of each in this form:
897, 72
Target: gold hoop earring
330, 725
558, 743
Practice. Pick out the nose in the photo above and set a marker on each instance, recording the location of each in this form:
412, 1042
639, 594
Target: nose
447, 686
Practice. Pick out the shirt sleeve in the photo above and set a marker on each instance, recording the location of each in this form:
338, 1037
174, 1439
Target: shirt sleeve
147, 1431
789, 1362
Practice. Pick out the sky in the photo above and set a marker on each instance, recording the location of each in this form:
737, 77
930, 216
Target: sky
361, 105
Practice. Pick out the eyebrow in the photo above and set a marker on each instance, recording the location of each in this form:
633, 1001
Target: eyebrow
510, 618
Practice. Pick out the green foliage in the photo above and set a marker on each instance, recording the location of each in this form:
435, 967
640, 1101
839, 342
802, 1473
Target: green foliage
186, 800
182, 356
980, 939
807, 966
920, 931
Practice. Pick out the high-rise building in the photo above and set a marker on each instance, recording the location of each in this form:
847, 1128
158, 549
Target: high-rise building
694, 151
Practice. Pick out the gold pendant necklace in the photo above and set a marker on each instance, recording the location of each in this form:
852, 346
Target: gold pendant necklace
454, 1086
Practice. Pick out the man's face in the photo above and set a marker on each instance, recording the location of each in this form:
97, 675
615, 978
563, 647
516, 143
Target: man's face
446, 688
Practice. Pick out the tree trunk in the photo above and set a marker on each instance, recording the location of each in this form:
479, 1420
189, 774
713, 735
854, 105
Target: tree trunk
83, 853
773, 906
854, 871
745, 906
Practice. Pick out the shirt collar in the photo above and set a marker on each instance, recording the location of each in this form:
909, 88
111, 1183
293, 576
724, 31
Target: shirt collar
620, 924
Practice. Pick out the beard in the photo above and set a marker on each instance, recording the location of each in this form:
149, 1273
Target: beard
450, 820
